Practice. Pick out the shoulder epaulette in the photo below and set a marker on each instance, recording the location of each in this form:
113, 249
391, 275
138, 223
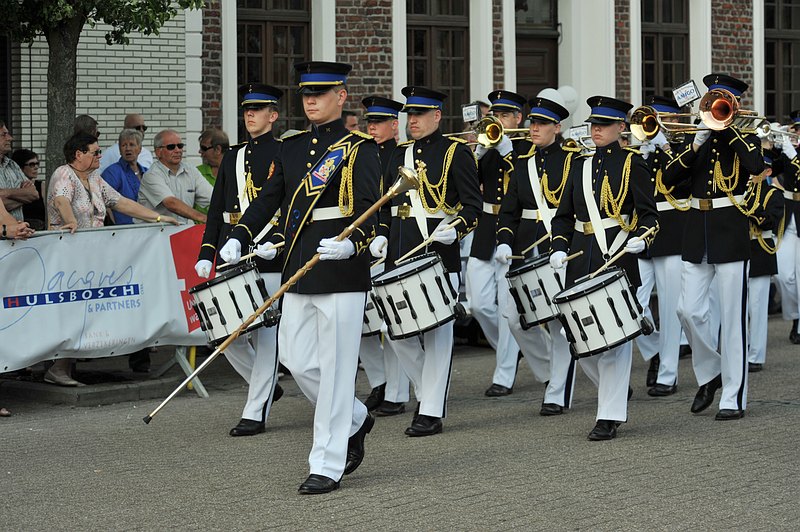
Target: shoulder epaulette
574, 149
287, 136
632, 149
237, 146
362, 135
530, 153
407, 143
459, 139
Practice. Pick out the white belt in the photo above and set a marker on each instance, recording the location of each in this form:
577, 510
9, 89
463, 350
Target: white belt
410, 212
491, 208
715, 203
764, 234
667, 206
792, 196
587, 229
533, 214
231, 217
326, 213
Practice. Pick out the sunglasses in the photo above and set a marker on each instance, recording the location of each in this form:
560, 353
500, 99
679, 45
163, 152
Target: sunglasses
141, 128
32, 164
171, 147
96, 153
204, 149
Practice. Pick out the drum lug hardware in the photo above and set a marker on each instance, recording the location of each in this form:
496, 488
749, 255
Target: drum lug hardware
410, 305
441, 290
394, 309
577, 319
544, 292
199, 317
627, 298
597, 320
614, 311
427, 297
235, 304
518, 302
528, 295
219, 311
647, 326
565, 326
460, 311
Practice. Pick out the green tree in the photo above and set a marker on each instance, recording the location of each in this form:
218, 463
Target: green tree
60, 22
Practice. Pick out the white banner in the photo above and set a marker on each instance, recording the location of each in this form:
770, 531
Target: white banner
97, 293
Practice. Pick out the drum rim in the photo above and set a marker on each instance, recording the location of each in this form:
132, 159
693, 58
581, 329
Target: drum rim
616, 344
253, 326
377, 281
233, 272
421, 331
530, 263
561, 298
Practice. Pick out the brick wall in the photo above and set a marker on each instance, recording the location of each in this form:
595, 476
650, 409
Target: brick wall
497, 44
364, 40
147, 76
732, 40
622, 45
212, 64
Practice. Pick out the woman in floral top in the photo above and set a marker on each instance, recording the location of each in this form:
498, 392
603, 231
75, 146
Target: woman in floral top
77, 199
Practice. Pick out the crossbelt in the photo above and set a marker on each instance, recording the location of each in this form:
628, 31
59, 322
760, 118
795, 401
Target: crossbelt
715, 203
667, 206
792, 196
491, 208
409, 212
326, 213
533, 214
587, 229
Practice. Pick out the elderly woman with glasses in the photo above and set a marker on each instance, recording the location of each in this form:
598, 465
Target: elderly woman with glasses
34, 212
78, 199
125, 175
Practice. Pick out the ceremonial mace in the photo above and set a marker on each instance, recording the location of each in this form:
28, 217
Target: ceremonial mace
406, 180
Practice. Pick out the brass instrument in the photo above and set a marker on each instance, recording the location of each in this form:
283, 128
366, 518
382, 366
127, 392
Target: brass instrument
646, 122
719, 109
490, 132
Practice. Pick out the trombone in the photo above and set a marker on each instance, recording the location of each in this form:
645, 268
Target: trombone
490, 132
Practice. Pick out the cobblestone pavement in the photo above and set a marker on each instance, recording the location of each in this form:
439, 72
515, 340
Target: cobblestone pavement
498, 465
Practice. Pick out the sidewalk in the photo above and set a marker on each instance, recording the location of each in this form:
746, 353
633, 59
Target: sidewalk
498, 465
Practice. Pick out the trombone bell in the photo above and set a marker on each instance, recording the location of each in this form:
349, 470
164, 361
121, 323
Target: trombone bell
644, 123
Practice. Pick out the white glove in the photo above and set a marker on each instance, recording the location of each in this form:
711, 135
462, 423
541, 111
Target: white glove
647, 148
266, 251
659, 141
702, 135
231, 252
378, 247
502, 253
203, 268
480, 151
634, 245
504, 146
557, 259
789, 150
444, 235
332, 249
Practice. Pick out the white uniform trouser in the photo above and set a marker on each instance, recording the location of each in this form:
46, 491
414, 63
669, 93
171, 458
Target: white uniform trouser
382, 367
318, 342
547, 354
668, 284
788, 265
694, 313
759, 315
488, 294
257, 366
610, 371
648, 345
429, 368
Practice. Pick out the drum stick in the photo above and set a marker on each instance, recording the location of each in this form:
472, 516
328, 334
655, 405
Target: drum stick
619, 254
527, 249
377, 262
425, 242
573, 256
249, 256
407, 180
515, 257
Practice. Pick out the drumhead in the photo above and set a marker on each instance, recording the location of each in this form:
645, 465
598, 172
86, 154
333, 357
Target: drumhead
229, 274
531, 263
412, 266
585, 285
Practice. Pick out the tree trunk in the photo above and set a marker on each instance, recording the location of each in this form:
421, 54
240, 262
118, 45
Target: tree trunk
62, 78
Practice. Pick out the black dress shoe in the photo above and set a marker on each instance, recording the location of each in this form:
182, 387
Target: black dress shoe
551, 409
652, 371
424, 426
497, 390
277, 394
727, 414
685, 351
605, 429
794, 336
375, 397
754, 367
316, 484
355, 445
630, 393
388, 408
247, 427
662, 390
705, 395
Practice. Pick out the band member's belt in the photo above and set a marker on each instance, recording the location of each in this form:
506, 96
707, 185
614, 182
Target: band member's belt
326, 213
534, 214
764, 234
491, 208
792, 196
405, 211
587, 229
667, 206
714, 203
231, 217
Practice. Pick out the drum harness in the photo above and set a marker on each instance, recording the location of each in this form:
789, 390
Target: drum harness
596, 220
416, 201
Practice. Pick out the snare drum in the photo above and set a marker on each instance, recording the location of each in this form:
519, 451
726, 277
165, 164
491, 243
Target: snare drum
415, 297
532, 285
372, 317
601, 313
224, 303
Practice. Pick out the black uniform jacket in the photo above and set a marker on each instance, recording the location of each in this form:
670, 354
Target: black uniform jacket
494, 173
768, 216
385, 151
790, 177
451, 174
671, 203
720, 234
299, 154
637, 188
553, 163
258, 156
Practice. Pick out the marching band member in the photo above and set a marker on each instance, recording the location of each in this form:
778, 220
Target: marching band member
448, 192
613, 188
486, 286
386, 378
327, 177
241, 176
534, 192
716, 244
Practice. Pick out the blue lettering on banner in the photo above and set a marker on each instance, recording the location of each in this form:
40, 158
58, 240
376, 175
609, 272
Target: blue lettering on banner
71, 296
